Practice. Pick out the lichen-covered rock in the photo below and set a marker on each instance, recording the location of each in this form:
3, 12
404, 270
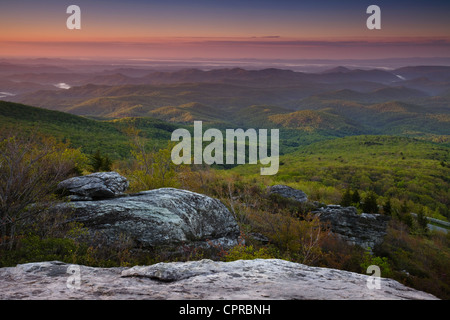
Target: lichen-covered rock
288, 192
365, 230
94, 186
165, 217
205, 279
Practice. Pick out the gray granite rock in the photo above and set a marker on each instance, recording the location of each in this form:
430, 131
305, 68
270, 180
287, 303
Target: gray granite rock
94, 186
165, 217
366, 230
205, 279
288, 192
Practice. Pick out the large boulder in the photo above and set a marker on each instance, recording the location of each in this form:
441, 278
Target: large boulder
238, 280
98, 185
288, 192
365, 230
164, 217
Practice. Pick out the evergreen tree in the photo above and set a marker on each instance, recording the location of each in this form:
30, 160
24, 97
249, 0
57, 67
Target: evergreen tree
107, 163
404, 207
95, 161
422, 220
356, 198
346, 198
407, 219
370, 203
387, 208
98, 162
405, 215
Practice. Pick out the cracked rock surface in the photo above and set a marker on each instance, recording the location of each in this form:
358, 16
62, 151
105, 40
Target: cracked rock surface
205, 279
365, 230
288, 192
96, 185
162, 217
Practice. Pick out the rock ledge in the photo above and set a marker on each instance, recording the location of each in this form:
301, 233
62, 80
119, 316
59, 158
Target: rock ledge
205, 279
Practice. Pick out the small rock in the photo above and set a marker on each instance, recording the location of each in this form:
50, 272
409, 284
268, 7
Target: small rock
288, 192
98, 185
259, 237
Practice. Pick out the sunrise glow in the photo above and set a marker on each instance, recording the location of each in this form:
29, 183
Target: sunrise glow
219, 29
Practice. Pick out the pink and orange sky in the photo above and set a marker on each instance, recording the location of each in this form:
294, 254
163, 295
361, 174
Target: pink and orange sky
263, 29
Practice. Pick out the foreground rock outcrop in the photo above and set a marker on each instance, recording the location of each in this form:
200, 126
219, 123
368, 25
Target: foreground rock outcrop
165, 217
365, 230
205, 279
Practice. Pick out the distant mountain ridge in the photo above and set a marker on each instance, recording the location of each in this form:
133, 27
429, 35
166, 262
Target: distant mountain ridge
259, 77
269, 77
336, 102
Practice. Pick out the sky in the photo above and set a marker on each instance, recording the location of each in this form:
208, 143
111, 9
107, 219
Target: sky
260, 29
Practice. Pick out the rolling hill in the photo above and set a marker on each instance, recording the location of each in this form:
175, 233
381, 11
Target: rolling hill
397, 167
315, 121
307, 107
383, 94
102, 100
89, 135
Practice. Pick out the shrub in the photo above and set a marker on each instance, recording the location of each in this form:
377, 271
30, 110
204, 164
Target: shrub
297, 239
370, 203
339, 254
382, 262
387, 207
30, 169
418, 261
99, 162
346, 198
151, 169
356, 199
243, 252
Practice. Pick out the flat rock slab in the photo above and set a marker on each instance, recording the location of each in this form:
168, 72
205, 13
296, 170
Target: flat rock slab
200, 280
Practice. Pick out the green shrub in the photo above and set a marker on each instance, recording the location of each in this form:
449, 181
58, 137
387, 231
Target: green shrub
243, 252
30, 169
382, 262
99, 162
